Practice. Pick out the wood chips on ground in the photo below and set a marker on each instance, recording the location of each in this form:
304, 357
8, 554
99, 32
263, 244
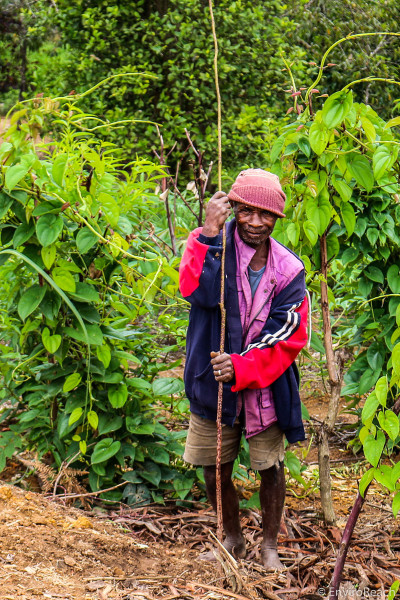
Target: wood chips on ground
52, 551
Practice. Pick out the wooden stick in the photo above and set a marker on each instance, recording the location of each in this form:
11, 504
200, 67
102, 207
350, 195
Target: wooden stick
222, 296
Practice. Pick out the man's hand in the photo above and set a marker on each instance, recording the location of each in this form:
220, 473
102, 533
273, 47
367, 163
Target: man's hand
222, 366
218, 210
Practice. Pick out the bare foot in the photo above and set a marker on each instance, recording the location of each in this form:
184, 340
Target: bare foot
235, 547
270, 559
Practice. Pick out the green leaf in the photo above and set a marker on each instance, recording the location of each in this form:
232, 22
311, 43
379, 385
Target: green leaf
23, 233
383, 159
5, 203
293, 233
374, 274
375, 357
48, 228
342, 189
311, 231
384, 477
50, 305
118, 396
277, 147
394, 588
48, 255
183, 485
332, 245
151, 473
304, 146
369, 129
396, 508
84, 292
393, 278
337, 107
132, 477
85, 240
134, 425
349, 217
108, 423
75, 415
93, 419
94, 332
319, 211
360, 168
369, 409
392, 123
30, 300
104, 450
46, 207
72, 382
366, 480
368, 380
316, 343
58, 168
361, 225
389, 423
15, 174
64, 279
83, 446
373, 448
396, 359
50, 342
110, 208
305, 415
103, 353
158, 454
318, 137
381, 390
349, 255
372, 235
166, 386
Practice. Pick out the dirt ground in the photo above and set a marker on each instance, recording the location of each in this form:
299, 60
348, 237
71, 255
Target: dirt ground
49, 550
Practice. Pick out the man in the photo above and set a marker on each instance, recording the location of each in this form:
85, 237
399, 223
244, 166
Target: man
266, 312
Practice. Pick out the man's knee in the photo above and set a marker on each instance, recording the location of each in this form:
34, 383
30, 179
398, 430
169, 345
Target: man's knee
210, 474
274, 474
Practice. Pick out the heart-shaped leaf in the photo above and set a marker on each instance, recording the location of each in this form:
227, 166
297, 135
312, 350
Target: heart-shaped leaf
30, 300
48, 228
50, 342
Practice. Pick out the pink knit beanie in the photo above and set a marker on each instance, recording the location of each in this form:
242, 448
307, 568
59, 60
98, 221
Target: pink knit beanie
260, 188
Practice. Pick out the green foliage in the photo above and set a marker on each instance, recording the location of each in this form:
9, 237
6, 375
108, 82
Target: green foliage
90, 40
380, 432
356, 58
340, 168
84, 305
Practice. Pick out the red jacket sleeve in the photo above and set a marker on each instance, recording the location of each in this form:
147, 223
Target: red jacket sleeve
260, 367
200, 270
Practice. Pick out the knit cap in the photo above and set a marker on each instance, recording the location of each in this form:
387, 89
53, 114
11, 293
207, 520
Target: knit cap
260, 188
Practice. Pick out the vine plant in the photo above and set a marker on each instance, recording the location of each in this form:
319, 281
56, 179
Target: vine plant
83, 272
340, 168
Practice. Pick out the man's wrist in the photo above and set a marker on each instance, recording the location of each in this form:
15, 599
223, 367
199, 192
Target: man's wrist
210, 230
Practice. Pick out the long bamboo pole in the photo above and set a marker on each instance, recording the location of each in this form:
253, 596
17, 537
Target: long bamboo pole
221, 303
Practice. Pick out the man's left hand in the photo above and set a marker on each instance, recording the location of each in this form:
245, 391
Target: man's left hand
222, 366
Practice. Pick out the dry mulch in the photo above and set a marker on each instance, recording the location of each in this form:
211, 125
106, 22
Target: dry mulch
52, 551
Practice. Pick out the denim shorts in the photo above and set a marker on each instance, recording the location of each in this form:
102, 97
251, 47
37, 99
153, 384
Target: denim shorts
266, 448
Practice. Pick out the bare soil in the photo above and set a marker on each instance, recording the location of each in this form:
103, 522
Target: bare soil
49, 550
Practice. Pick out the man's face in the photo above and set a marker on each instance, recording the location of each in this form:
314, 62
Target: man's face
254, 225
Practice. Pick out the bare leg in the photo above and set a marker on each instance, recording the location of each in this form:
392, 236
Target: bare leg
234, 540
272, 499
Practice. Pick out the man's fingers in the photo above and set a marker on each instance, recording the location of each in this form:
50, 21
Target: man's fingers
218, 358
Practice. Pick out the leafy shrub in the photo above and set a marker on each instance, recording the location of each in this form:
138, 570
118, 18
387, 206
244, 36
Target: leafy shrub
85, 307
